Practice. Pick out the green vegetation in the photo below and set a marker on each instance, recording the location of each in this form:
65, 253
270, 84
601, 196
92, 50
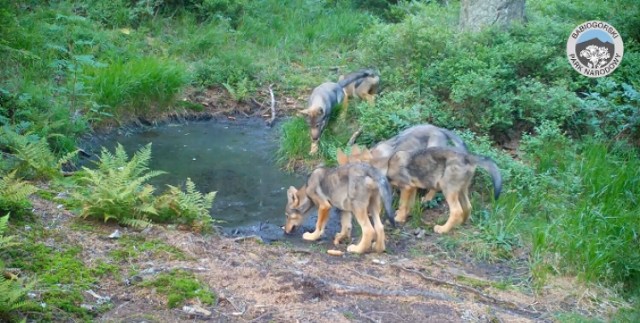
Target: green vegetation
117, 190
180, 286
136, 247
62, 278
14, 194
570, 175
12, 291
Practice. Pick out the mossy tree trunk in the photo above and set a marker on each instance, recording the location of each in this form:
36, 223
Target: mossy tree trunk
475, 14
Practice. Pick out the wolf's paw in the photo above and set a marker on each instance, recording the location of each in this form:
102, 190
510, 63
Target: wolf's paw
379, 247
400, 218
440, 229
354, 249
339, 237
309, 236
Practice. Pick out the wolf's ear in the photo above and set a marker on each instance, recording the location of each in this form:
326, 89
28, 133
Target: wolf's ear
355, 150
341, 157
365, 155
292, 197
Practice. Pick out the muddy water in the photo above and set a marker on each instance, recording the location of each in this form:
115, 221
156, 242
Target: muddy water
234, 159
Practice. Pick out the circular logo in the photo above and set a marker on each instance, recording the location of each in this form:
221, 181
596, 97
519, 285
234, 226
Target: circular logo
595, 49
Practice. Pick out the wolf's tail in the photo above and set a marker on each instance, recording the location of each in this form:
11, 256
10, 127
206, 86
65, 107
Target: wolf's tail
386, 194
455, 139
490, 166
356, 76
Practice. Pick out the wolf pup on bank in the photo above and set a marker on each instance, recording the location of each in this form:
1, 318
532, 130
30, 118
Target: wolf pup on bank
443, 169
323, 99
365, 88
355, 188
416, 137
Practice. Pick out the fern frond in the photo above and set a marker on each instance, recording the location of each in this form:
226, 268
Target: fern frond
14, 193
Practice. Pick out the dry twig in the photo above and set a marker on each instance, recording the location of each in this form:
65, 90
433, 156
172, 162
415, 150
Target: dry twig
273, 107
353, 138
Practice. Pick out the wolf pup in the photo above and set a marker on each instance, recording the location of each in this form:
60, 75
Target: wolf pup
323, 99
416, 137
365, 88
354, 188
443, 169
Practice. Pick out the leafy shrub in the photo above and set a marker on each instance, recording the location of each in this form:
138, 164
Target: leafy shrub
189, 208
611, 110
229, 10
491, 81
117, 190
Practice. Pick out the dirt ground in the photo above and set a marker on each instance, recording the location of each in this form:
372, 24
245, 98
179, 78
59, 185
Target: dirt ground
414, 281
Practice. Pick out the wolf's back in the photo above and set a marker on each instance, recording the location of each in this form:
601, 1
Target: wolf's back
455, 139
356, 76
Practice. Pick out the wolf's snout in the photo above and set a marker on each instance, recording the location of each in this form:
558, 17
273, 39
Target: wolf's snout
315, 134
289, 229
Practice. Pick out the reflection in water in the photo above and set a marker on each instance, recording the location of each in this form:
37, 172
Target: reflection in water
235, 160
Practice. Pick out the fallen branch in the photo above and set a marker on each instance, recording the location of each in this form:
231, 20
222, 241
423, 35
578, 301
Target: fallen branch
273, 107
483, 298
353, 138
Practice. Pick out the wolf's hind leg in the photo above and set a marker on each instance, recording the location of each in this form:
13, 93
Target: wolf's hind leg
345, 231
465, 203
323, 216
407, 197
367, 232
455, 213
429, 196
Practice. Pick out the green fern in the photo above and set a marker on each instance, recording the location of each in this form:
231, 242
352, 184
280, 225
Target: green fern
188, 208
117, 190
5, 241
36, 160
14, 194
12, 291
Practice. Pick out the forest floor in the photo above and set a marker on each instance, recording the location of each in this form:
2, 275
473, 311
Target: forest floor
414, 281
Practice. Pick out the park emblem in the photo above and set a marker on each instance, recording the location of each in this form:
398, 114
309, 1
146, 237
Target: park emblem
595, 49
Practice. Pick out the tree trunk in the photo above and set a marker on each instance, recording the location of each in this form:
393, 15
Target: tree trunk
475, 14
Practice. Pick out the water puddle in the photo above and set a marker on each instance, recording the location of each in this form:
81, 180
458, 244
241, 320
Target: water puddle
235, 159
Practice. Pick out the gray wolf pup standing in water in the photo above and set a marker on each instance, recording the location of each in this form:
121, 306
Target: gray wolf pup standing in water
354, 188
323, 99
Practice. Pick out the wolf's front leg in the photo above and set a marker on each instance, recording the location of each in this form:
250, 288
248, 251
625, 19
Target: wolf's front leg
323, 216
